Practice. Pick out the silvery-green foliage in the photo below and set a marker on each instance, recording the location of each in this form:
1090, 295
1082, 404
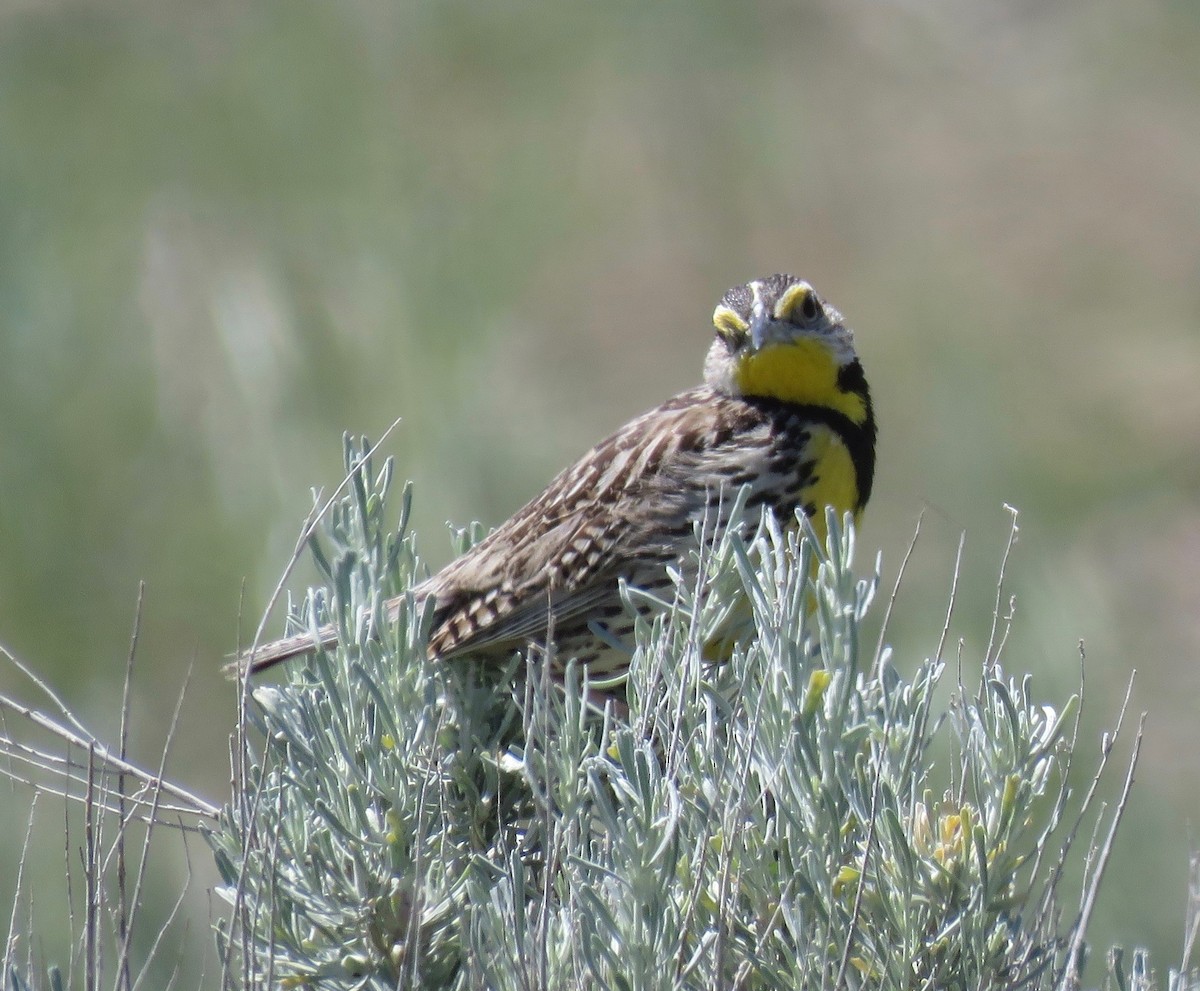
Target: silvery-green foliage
774, 819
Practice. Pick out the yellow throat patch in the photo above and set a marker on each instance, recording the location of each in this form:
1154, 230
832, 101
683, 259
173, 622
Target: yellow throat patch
803, 372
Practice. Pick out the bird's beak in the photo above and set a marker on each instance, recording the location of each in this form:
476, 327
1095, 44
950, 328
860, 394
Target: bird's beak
760, 321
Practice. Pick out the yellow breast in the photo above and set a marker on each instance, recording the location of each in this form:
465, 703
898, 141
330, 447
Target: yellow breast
835, 481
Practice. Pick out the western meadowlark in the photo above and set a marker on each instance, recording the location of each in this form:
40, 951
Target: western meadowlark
784, 410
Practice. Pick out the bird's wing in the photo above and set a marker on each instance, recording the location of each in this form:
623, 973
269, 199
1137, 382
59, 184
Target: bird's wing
631, 500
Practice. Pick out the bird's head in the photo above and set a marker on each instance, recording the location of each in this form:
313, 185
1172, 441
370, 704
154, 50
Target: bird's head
777, 339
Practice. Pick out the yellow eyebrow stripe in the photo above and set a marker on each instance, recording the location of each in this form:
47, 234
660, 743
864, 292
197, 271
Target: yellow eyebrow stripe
728, 322
795, 296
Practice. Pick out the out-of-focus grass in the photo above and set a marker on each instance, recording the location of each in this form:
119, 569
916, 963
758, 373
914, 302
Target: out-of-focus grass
227, 236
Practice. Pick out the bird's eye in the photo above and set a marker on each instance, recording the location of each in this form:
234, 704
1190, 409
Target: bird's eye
798, 303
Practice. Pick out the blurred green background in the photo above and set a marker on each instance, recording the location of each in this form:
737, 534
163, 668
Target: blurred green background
228, 232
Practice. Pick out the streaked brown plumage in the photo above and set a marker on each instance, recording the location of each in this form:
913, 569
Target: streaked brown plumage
784, 410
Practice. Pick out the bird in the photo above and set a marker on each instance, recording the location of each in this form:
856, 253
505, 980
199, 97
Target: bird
784, 410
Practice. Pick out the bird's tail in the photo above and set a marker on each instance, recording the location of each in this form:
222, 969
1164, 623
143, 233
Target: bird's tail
277, 651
